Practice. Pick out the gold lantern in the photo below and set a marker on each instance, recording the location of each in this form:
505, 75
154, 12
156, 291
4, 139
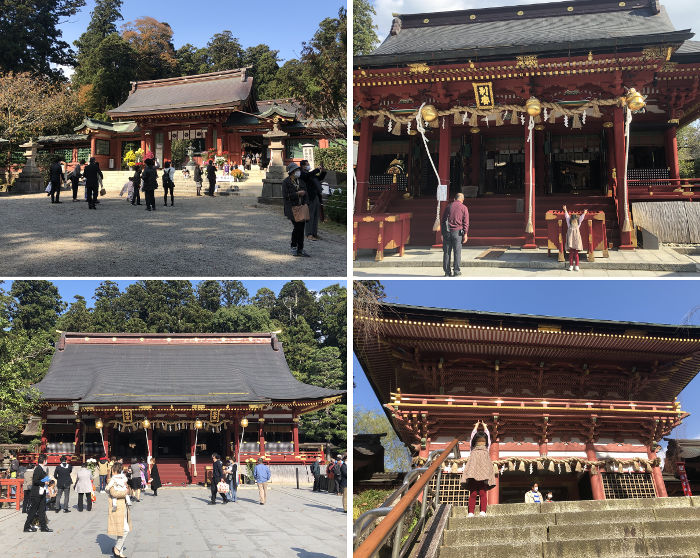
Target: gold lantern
533, 106
198, 424
146, 423
635, 100
412, 132
475, 130
244, 422
429, 113
98, 424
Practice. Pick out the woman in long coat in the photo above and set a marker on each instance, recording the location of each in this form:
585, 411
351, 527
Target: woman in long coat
118, 521
83, 486
155, 477
478, 471
294, 194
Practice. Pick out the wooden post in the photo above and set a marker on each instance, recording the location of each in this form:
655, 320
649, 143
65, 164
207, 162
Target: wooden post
44, 440
659, 484
671, 145
295, 434
193, 449
493, 492
612, 168
475, 165
444, 154
227, 442
530, 242
539, 162
237, 437
235, 148
364, 154
92, 146
261, 434
106, 432
219, 139
597, 479
149, 441
622, 194
76, 438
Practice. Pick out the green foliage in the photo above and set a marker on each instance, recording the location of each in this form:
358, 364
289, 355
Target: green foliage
77, 317
153, 41
265, 64
191, 60
264, 298
36, 306
397, 457
336, 206
364, 38
688, 138
294, 300
240, 319
368, 500
224, 52
209, 295
233, 293
178, 150
30, 37
333, 157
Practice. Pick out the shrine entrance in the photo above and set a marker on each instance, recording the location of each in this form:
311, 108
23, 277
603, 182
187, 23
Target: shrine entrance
503, 166
129, 444
564, 487
577, 165
170, 443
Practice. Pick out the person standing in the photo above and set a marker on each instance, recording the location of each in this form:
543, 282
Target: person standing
294, 195
455, 226
211, 177
136, 479
344, 483
232, 478
62, 474
27, 486
56, 177
198, 178
168, 183
574, 244
331, 476
75, 177
150, 183
37, 506
119, 515
83, 486
136, 180
478, 471
533, 496
93, 175
155, 477
103, 470
262, 475
314, 190
316, 472
217, 477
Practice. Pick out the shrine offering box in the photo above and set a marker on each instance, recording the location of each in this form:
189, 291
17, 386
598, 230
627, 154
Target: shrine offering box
594, 235
381, 231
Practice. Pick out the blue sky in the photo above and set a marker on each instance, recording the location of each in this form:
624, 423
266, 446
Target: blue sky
667, 301
281, 25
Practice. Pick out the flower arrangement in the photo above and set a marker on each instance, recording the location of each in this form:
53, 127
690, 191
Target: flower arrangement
250, 467
238, 174
91, 464
130, 158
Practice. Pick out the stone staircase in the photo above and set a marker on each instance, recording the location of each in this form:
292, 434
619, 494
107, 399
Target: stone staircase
631, 528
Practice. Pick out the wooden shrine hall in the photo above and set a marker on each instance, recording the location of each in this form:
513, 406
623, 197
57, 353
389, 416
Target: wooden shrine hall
524, 109
176, 397
577, 405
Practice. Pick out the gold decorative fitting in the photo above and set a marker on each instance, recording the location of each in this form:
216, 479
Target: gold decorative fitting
426, 20
590, 55
533, 106
146, 423
429, 113
418, 68
570, 9
539, 127
653, 53
475, 130
526, 61
483, 92
471, 65
472, 17
622, 4
412, 132
520, 12
635, 100
198, 424
674, 121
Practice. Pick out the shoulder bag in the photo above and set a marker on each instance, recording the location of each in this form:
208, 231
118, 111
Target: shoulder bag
300, 212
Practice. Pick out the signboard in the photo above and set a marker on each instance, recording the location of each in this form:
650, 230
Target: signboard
483, 92
683, 476
442, 192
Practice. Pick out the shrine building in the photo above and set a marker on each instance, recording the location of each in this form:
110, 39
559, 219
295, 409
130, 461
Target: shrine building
214, 111
577, 405
524, 109
178, 398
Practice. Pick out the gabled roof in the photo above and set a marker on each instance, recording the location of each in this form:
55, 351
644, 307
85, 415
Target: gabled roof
528, 29
124, 126
113, 368
229, 89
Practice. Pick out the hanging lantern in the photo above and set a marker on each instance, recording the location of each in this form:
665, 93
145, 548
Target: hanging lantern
198, 424
533, 106
146, 424
99, 424
244, 422
635, 100
429, 113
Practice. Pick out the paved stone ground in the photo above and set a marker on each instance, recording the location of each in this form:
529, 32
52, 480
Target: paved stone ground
197, 237
180, 524
521, 263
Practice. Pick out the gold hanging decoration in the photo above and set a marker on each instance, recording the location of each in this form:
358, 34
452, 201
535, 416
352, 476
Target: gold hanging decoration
429, 113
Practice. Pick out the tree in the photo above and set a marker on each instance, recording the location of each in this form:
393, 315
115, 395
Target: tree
265, 64
36, 305
77, 317
234, 293
295, 300
209, 295
397, 457
224, 52
688, 148
108, 315
264, 298
364, 31
192, 60
332, 305
178, 151
241, 319
152, 41
30, 38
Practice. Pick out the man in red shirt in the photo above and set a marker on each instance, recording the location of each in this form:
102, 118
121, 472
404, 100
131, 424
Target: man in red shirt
455, 226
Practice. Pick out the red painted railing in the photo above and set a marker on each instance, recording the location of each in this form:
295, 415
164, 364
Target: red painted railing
664, 188
6, 489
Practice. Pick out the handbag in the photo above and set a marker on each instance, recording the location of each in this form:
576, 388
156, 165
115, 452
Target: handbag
300, 212
48, 188
103, 192
222, 487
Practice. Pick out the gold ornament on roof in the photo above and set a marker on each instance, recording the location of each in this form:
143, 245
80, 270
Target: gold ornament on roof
418, 68
526, 61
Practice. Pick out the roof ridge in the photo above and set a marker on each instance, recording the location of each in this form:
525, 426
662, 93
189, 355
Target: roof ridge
209, 76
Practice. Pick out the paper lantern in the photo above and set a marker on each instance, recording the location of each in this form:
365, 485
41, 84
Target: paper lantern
533, 106
429, 113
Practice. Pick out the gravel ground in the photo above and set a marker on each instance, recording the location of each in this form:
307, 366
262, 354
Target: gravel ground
197, 237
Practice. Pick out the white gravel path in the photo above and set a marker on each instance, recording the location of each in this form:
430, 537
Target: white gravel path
231, 236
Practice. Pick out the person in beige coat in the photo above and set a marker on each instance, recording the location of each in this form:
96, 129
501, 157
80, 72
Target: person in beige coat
83, 486
119, 519
574, 244
478, 471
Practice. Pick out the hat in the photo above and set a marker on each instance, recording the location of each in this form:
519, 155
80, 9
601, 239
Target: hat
291, 167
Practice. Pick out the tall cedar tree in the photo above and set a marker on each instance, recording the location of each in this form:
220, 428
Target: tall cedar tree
153, 41
364, 36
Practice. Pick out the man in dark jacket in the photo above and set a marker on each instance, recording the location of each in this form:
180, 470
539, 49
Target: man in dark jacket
150, 183
343, 482
37, 507
211, 177
198, 178
63, 484
57, 178
314, 190
92, 174
217, 476
316, 472
136, 180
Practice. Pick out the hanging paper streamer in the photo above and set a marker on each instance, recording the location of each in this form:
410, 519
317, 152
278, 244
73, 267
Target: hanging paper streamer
522, 119
397, 129
566, 120
465, 115
390, 126
514, 117
443, 123
408, 127
379, 122
583, 116
486, 119
473, 120
545, 116
576, 123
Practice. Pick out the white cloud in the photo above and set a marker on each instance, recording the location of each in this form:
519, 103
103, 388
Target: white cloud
68, 71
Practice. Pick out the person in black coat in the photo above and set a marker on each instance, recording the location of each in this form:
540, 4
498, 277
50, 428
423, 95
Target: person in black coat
150, 183
62, 474
294, 194
217, 476
75, 177
211, 177
155, 477
198, 178
57, 178
314, 190
92, 174
316, 472
343, 483
37, 495
136, 181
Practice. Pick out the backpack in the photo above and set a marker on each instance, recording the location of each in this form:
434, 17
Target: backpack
336, 470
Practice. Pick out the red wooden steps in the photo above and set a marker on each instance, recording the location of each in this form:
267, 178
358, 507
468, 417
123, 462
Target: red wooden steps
173, 471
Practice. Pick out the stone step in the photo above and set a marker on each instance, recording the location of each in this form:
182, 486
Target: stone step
490, 521
624, 530
621, 548
487, 535
527, 550
631, 515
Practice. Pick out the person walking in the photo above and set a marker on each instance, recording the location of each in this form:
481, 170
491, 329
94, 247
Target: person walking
27, 486
103, 470
343, 483
155, 477
119, 515
478, 471
135, 482
62, 474
316, 472
262, 475
56, 177
294, 196
455, 226
211, 177
217, 477
75, 177
83, 486
136, 181
331, 476
314, 190
37, 506
168, 183
232, 478
93, 175
150, 183
574, 244
198, 178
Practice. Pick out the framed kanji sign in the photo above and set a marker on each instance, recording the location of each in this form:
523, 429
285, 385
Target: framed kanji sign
484, 95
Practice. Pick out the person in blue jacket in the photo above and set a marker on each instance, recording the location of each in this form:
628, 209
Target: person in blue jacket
262, 475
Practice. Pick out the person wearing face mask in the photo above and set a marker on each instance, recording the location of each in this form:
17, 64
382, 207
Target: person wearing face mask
295, 195
534, 496
312, 179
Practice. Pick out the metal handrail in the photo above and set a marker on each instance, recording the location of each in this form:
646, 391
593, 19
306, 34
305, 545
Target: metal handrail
418, 480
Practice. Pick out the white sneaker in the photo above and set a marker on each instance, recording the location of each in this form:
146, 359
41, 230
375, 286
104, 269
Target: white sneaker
482, 513
470, 515
571, 268
576, 268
